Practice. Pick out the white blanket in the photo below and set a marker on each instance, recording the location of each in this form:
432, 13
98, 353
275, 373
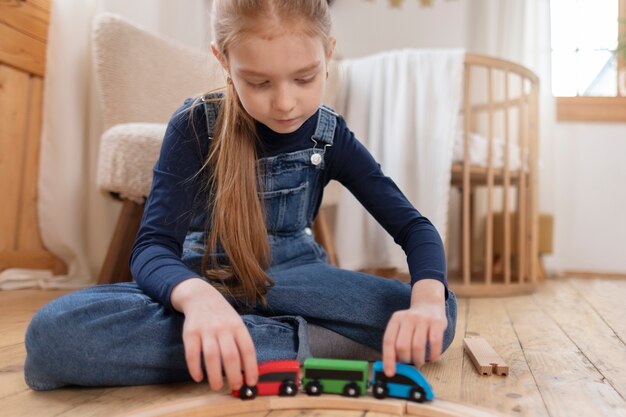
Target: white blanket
404, 107
479, 151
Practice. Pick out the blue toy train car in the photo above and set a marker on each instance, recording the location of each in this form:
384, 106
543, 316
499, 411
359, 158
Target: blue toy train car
407, 383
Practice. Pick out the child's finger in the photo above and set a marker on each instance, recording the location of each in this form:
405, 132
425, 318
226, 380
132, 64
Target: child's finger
403, 345
193, 350
231, 360
212, 362
419, 343
435, 340
248, 356
389, 347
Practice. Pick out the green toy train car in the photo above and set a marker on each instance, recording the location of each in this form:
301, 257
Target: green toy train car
335, 376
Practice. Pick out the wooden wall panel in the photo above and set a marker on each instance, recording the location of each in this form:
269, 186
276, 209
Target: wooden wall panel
28, 220
42, 4
23, 36
26, 16
14, 86
21, 51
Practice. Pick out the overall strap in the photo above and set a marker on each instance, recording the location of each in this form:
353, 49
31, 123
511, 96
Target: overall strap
211, 110
326, 123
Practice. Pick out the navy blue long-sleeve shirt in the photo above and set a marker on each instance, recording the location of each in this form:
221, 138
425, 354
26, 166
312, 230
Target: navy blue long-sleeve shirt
156, 261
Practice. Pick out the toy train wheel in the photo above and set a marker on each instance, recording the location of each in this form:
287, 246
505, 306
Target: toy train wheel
248, 393
380, 390
417, 394
351, 390
313, 388
288, 389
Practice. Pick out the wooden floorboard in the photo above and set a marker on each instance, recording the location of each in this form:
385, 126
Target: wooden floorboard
586, 329
515, 394
567, 380
607, 298
564, 345
121, 400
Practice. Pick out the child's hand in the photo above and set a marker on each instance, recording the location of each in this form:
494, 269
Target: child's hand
409, 330
215, 330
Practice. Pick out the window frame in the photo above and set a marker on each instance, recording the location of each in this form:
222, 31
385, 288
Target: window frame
597, 109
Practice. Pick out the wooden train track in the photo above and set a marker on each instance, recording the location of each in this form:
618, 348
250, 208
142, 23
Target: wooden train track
215, 405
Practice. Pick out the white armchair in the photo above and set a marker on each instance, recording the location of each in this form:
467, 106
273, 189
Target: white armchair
143, 79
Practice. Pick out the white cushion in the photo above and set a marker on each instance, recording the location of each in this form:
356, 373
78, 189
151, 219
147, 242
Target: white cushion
128, 153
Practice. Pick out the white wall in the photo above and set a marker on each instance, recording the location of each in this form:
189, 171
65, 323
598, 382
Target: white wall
365, 27
590, 220
188, 24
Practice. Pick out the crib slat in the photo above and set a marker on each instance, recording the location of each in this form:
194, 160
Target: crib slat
507, 183
522, 233
534, 192
490, 185
466, 173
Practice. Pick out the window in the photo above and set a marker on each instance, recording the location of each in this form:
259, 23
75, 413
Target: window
588, 68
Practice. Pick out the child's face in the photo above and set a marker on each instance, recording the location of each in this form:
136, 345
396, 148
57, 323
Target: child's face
280, 81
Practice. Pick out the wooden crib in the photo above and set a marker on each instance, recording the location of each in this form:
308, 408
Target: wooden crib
500, 104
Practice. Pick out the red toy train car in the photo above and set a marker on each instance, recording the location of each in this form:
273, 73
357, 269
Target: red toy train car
275, 378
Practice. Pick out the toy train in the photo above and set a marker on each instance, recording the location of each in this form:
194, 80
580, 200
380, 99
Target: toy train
335, 376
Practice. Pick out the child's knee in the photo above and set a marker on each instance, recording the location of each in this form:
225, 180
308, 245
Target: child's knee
41, 328
43, 344
57, 344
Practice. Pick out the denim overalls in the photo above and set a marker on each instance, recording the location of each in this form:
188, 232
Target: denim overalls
117, 335
292, 193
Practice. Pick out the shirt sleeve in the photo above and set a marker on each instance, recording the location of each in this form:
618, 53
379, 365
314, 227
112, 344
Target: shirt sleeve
155, 260
382, 198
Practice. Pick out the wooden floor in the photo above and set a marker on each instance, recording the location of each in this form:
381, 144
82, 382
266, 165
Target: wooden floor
565, 346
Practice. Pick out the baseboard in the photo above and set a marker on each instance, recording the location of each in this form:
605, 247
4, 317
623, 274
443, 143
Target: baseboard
591, 274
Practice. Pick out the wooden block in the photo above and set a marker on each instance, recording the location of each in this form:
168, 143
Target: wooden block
337, 402
485, 359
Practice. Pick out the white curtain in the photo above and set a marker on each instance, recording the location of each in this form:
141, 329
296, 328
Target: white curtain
76, 219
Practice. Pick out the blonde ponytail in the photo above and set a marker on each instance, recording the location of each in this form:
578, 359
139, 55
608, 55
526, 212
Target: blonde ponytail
237, 213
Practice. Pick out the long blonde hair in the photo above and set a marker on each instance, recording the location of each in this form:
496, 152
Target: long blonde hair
238, 219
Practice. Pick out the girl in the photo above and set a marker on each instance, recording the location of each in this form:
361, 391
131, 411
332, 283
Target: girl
227, 270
